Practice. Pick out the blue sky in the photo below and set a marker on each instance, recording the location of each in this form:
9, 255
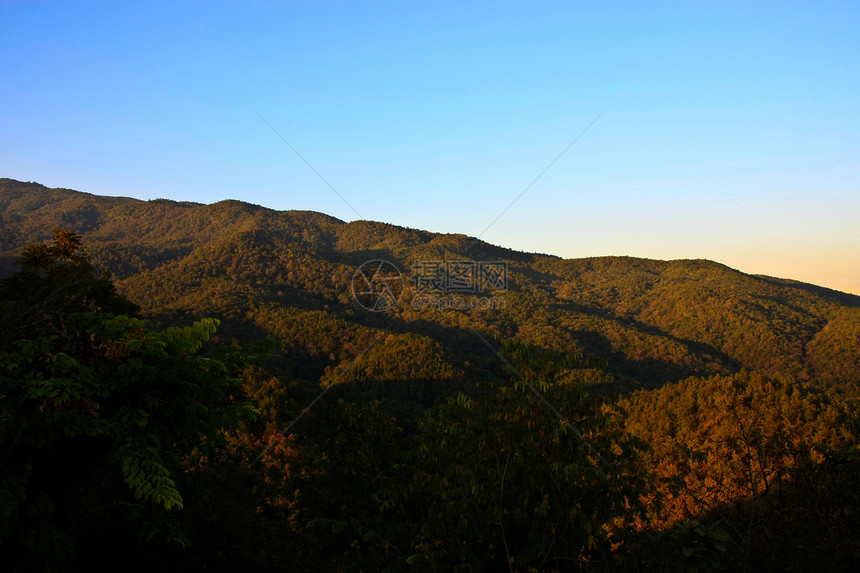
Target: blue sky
731, 131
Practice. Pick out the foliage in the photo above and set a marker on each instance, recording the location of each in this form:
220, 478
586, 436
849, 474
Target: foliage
490, 482
741, 449
654, 321
52, 282
96, 416
126, 443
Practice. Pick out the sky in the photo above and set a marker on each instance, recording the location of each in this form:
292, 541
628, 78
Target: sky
722, 131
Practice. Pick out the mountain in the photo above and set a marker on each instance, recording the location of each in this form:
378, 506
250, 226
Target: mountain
377, 398
288, 275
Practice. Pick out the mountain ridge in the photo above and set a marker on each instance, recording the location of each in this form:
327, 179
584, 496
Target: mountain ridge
654, 320
225, 204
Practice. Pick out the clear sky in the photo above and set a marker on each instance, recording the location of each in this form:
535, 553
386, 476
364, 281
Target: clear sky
731, 130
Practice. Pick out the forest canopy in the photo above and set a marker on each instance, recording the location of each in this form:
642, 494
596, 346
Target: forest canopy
615, 414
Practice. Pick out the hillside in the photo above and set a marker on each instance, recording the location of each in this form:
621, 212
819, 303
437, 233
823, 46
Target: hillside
287, 275
245, 409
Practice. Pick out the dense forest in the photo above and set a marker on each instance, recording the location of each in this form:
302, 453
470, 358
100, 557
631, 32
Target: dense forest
157, 361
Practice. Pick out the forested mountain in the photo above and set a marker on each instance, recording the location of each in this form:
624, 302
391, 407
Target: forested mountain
201, 387
288, 274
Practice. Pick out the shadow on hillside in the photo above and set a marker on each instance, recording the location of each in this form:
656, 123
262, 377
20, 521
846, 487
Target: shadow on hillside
650, 371
808, 523
840, 297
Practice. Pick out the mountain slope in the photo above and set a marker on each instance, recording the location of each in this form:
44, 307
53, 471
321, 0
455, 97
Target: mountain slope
288, 275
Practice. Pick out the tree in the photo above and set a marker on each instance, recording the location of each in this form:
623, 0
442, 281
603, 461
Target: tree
52, 282
97, 414
533, 476
750, 451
